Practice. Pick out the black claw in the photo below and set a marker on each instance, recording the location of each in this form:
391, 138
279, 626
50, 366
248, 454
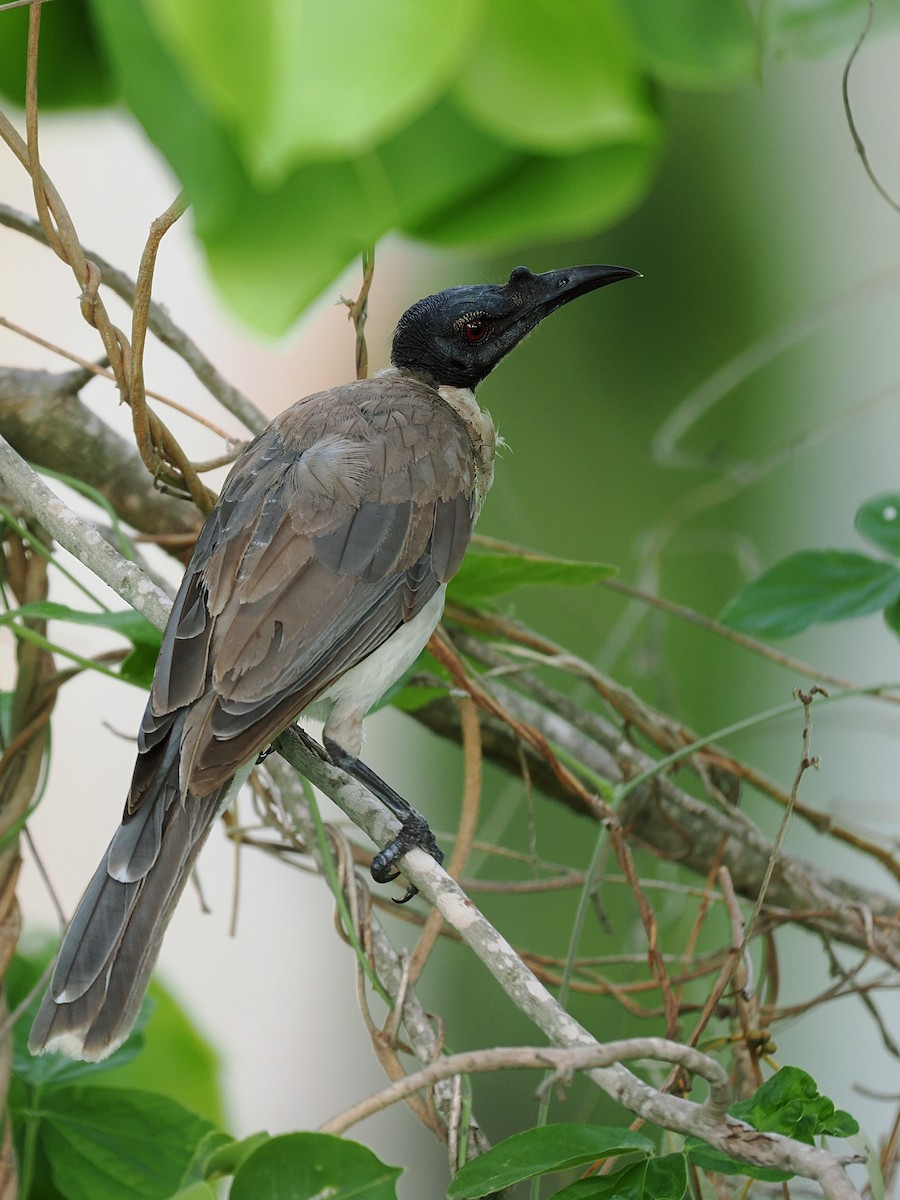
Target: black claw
414, 829
413, 832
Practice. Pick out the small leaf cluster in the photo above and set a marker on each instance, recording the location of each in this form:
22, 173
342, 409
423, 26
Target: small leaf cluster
818, 586
789, 1103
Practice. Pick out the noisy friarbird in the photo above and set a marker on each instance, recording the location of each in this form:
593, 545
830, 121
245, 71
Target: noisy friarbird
318, 577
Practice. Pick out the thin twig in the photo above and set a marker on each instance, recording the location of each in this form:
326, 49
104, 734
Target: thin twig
154, 442
31, 125
93, 370
848, 111
807, 760
358, 311
160, 323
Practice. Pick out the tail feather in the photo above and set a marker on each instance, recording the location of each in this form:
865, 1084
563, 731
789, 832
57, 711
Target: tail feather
111, 947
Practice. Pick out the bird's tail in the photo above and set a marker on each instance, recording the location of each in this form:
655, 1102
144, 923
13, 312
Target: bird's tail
110, 948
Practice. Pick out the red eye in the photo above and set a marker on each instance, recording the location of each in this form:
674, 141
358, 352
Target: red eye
476, 330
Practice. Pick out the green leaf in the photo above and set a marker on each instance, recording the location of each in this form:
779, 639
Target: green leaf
304, 1166
485, 574
196, 147
72, 69
879, 521
227, 1159
129, 623
813, 586
205, 1150
555, 78
653, 1179
106, 1143
695, 43
816, 27
273, 250
539, 1151
544, 198
288, 244
179, 1062
790, 1104
138, 666
196, 1191
711, 1159
305, 80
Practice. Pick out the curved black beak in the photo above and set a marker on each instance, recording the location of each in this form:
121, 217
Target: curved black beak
545, 293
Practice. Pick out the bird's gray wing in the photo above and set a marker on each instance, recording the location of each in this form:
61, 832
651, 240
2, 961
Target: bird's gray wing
337, 524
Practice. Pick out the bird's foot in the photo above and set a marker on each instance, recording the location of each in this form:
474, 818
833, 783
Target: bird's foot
414, 832
414, 829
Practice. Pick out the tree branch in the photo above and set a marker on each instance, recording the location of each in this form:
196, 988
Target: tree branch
81, 538
42, 417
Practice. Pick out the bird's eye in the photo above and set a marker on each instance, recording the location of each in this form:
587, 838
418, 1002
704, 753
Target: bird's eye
476, 329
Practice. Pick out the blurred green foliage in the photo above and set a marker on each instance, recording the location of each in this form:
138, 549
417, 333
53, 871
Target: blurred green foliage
305, 132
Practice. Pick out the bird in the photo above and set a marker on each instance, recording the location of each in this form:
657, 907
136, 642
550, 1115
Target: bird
316, 580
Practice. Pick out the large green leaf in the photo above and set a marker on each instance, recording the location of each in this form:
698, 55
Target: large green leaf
130, 624
302, 80
543, 198
177, 1060
163, 100
791, 1104
290, 243
106, 1143
442, 175
305, 1166
539, 1151
695, 43
813, 586
555, 78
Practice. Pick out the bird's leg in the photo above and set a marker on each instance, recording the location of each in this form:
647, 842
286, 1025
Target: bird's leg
414, 830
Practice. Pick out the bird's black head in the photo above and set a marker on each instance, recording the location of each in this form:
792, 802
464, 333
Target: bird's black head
457, 337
